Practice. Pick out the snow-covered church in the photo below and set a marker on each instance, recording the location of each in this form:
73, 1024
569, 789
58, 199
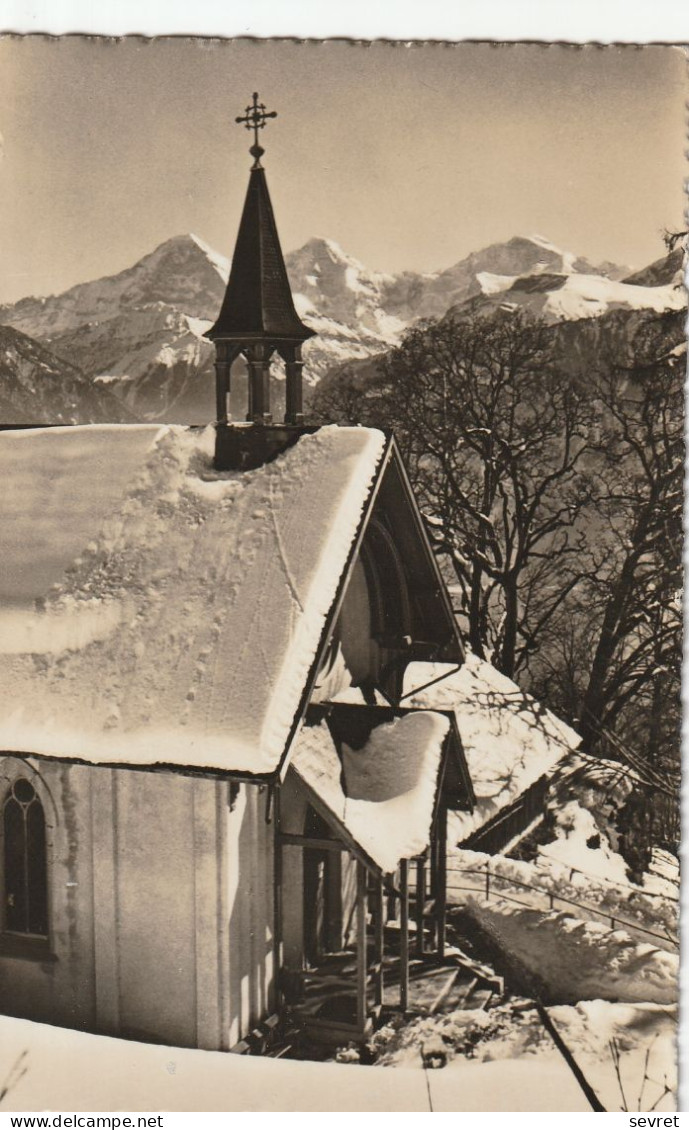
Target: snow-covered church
235, 710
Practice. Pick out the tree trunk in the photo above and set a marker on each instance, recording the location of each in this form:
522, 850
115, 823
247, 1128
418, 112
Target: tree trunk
476, 639
594, 701
509, 640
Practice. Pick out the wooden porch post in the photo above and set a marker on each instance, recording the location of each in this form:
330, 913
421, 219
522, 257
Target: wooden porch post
420, 903
441, 881
361, 954
433, 889
277, 900
404, 934
379, 926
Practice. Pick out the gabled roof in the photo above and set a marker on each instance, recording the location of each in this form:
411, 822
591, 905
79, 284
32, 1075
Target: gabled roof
191, 620
509, 739
258, 300
383, 793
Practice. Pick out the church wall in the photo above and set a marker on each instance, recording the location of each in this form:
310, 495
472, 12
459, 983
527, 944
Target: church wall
211, 800
250, 910
155, 906
161, 906
57, 986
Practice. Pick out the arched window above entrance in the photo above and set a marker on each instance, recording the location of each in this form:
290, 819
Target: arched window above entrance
375, 621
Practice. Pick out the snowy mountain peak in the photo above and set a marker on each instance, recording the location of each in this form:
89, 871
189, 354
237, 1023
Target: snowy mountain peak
320, 245
541, 241
177, 251
220, 262
141, 330
331, 247
320, 255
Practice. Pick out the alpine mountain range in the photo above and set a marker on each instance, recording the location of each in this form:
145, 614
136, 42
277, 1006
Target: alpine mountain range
131, 346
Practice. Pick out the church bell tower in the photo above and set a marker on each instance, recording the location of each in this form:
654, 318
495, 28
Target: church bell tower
257, 320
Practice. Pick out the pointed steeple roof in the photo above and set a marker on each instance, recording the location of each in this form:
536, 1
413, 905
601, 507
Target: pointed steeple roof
258, 301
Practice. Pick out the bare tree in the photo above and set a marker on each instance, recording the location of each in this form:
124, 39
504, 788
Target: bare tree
493, 435
636, 652
556, 500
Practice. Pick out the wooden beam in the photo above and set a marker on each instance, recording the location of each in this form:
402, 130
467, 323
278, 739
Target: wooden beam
379, 928
420, 902
277, 902
404, 934
361, 953
321, 844
341, 834
433, 882
441, 892
334, 1031
445, 991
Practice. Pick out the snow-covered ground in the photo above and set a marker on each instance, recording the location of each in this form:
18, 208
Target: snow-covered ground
75, 1071
511, 1042
578, 843
61, 1070
596, 1031
662, 876
546, 884
503, 1060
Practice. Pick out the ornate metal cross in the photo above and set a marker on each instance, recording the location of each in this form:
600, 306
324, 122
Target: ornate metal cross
255, 118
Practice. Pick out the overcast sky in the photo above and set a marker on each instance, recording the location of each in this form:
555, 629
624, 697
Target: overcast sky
408, 157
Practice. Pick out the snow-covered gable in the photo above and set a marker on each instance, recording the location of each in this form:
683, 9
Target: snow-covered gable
384, 793
185, 630
509, 740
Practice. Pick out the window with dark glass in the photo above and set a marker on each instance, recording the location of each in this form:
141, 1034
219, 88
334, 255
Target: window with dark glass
24, 862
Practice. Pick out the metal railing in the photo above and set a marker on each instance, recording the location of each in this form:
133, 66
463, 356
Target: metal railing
572, 871
490, 882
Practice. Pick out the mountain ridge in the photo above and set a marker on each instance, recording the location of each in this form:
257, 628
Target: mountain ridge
36, 387
139, 334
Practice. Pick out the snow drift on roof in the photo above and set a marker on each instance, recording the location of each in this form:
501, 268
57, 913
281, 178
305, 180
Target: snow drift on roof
58, 486
509, 739
387, 797
203, 598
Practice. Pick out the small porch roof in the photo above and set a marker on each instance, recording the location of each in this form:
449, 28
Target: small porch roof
382, 791
510, 740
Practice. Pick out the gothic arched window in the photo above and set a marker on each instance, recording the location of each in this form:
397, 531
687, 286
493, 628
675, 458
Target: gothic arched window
25, 867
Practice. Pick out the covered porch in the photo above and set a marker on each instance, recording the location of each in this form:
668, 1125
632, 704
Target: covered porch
372, 919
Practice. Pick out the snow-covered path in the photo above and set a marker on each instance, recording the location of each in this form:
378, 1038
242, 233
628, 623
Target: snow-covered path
549, 883
569, 959
468, 884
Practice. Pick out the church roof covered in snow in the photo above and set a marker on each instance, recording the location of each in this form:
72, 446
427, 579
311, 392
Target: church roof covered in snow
508, 738
156, 611
383, 793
